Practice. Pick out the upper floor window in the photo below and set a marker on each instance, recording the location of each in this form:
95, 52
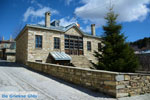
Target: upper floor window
73, 45
89, 45
99, 46
38, 41
56, 43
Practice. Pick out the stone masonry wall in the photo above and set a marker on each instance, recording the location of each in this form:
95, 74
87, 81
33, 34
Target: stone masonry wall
94, 47
47, 44
112, 83
96, 80
21, 48
73, 31
133, 84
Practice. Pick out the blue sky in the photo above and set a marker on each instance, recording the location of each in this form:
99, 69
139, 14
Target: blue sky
134, 15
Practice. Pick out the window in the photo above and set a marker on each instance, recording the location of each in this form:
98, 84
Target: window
89, 45
73, 45
99, 46
56, 43
38, 41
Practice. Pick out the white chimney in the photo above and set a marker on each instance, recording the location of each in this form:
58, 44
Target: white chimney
3, 38
47, 19
10, 38
93, 29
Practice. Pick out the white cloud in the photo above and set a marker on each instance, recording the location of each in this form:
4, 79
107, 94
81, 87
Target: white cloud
37, 13
41, 22
128, 10
86, 29
66, 21
68, 2
36, 3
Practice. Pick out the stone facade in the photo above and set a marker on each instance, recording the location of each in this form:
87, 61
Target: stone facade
47, 45
25, 44
8, 50
133, 84
102, 81
1, 54
10, 55
94, 46
22, 47
112, 83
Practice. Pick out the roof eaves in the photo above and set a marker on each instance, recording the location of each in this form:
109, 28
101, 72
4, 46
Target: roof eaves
73, 25
40, 27
83, 33
92, 36
21, 32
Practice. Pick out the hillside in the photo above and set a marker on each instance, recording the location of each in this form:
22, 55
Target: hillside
142, 44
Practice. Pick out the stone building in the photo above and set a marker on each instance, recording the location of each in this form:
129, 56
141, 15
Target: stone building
52, 43
8, 50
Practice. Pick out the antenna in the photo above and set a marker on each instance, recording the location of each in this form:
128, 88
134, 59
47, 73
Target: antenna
10, 38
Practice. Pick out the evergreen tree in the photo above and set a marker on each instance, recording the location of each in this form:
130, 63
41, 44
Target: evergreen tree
116, 54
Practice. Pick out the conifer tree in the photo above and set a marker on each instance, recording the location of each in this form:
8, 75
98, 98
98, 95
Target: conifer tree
116, 54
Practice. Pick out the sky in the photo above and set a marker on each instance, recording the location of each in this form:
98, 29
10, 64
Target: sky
134, 15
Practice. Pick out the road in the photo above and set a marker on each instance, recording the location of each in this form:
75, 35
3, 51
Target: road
14, 77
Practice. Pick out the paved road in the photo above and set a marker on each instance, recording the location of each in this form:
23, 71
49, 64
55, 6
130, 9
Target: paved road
14, 77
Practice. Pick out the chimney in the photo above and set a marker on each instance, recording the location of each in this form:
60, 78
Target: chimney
47, 19
10, 38
3, 38
93, 29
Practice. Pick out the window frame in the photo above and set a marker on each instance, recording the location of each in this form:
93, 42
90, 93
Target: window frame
38, 41
99, 46
89, 46
56, 43
73, 44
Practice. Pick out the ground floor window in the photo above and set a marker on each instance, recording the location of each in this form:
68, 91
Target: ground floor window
56, 43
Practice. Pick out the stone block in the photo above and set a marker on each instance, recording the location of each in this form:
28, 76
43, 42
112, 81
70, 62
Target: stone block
88, 84
148, 77
119, 77
88, 73
118, 95
111, 83
104, 78
106, 75
132, 93
126, 77
78, 73
120, 86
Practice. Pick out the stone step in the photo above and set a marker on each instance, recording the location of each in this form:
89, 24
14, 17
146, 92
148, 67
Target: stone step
81, 61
